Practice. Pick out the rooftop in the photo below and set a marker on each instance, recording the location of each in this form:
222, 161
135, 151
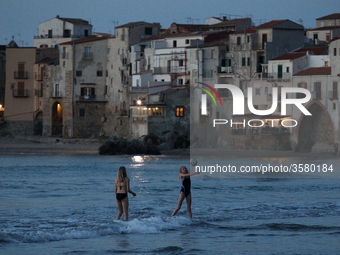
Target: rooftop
315, 71
331, 16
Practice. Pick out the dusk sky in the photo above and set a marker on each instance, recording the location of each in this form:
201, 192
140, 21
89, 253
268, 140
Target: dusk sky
20, 18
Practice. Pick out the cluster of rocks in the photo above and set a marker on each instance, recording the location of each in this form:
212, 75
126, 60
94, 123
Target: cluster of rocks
147, 145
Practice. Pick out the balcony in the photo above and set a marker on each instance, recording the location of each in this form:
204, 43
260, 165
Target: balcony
91, 98
333, 95
167, 70
56, 94
139, 89
225, 69
20, 75
38, 93
38, 76
277, 76
20, 93
316, 94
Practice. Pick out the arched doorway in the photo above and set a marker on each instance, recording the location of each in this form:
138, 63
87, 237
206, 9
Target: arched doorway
57, 119
315, 129
38, 123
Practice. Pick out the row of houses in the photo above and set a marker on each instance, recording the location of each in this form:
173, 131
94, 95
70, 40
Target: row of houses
76, 83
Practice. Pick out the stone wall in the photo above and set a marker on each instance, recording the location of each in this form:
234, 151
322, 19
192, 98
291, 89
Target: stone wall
91, 125
261, 142
17, 128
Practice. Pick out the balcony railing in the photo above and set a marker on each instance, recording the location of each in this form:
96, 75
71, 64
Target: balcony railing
166, 70
20, 93
276, 77
20, 75
38, 93
333, 95
91, 98
56, 94
316, 94
225, 69
38, 76
60, 36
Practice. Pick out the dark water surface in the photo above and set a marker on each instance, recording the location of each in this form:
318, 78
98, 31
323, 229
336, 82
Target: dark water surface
64, 204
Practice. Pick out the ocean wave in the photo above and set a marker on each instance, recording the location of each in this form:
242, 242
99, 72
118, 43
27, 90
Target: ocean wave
152, 224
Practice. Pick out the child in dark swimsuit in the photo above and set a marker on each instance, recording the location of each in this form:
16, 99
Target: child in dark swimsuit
184, 176
122, 187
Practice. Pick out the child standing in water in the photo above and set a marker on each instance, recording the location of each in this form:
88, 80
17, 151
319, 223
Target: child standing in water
184, 176
122, 187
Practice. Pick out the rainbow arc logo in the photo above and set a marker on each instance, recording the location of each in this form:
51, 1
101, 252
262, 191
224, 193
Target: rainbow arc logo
209, 93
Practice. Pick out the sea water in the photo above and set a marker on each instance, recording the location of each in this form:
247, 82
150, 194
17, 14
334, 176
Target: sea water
65, 204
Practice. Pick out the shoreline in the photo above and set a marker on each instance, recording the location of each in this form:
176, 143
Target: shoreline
36, 144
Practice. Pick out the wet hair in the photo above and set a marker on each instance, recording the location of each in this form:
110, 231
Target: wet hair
183, 168
121, 174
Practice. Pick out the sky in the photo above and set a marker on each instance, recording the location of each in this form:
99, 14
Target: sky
20, 18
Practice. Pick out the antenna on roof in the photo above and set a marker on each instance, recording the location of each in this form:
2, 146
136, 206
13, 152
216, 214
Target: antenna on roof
115, 24
191, 20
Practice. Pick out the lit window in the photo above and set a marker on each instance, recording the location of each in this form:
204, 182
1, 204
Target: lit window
179, 111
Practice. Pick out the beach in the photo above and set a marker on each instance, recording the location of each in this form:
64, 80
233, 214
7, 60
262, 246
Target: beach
31, 144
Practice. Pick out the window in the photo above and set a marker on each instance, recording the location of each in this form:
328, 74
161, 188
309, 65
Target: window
81, 112
174, 43
257, 91
328, 37
187, 41
301, 85
264, 40
243, 61
317, 90
88, 53
287, 69
21, 71
148, 30
238, 40
180, 81
334, 52
87, 92
64, 53
67, 33
99, 73
156, 111
50, 33
86, 33
21, 89
79, 73
181, 62
56, 90
248, 61
179, 111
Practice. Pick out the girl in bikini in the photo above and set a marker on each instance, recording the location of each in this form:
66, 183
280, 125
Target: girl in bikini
184, 176
122, 187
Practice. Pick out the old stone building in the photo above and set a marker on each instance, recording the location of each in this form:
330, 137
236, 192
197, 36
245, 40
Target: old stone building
58, 30
76, 91
119, 80
23, 102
